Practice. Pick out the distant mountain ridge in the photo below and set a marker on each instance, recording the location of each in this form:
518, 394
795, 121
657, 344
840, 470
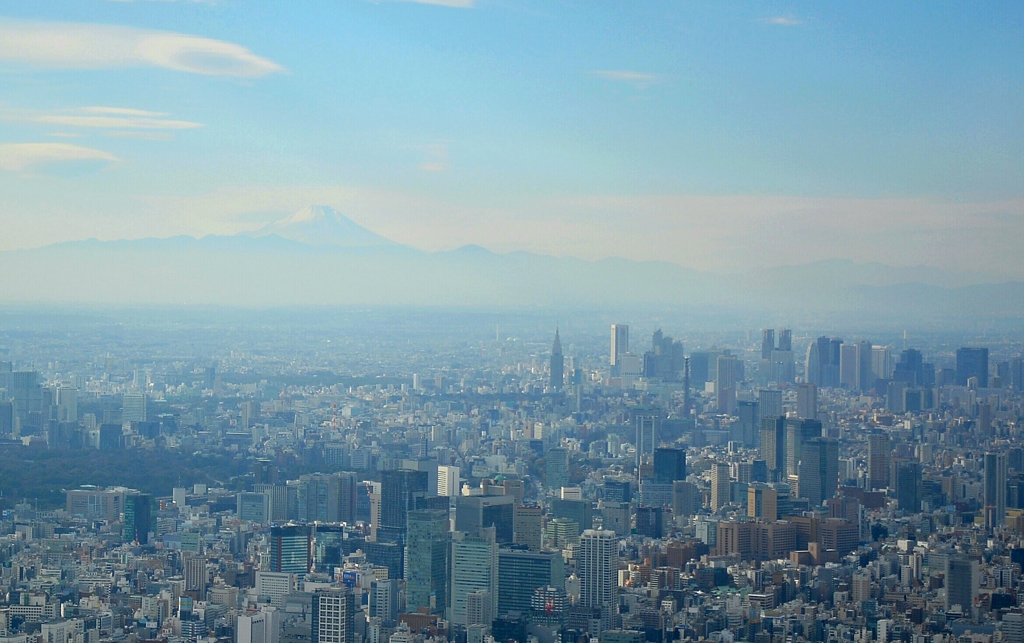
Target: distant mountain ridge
321, 225
320, 257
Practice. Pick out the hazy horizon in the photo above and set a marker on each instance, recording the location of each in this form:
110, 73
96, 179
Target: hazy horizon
719, 137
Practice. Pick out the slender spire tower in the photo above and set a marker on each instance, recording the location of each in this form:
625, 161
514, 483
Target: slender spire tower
557, 364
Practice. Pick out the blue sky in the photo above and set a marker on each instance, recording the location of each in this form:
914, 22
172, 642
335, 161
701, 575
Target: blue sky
724, 136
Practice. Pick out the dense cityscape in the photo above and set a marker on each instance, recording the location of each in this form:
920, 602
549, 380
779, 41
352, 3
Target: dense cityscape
433, 480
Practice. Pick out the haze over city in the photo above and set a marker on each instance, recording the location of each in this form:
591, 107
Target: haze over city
511, 321
727, 137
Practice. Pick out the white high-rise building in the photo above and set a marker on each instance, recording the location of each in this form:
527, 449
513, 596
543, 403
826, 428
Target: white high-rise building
769, 404
720, 486
67, 404
333, 617
598, 556
448, 481
620, 342
260, 627
474, 568
133, 407
807, 401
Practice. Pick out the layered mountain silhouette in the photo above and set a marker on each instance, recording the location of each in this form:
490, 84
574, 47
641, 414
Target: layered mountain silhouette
320, 225
320, 257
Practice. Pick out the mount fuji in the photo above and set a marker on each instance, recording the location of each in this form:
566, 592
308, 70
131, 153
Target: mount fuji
321, 225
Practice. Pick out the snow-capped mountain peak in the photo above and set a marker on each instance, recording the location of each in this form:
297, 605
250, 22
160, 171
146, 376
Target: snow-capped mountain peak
321, 225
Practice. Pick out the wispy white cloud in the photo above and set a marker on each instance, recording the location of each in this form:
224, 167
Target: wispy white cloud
783, 21
121, 111
637, 78
146, 136
458, 4
89, 46
18, 157
111, 122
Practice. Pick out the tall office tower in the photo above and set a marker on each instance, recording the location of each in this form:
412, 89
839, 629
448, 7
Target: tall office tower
785, 340
665, 359
762, 502
473, 514
767, 343
348, 496
194, 571
556, 467
962, 581
263, 626
725, 385
908, 486
520, 573
972, 362
669, 465
848, 366
598, 565
779, 362
910, 368
995, 489
527, 526
819, 470
747, 429
319, 497
333, 617
701, 365
798, 432
812, 364
28, 402
686, 387
879, 452
818, 369
557, 364
985, 420
264, 472
769, 403
773, 446
620, 343
1017, 373
328, 548
426, 560
720, 485
139, 517
67, 404
646, 437
881, 362
807, 401
865, 372
650, 522
400, 491
291, 550
830, 371
133, 407
384, 600
448, 481
474, 567
278, 495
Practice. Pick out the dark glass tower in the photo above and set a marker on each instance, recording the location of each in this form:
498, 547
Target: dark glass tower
669, 465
